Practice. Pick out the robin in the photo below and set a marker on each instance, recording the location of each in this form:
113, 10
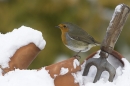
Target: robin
76, 38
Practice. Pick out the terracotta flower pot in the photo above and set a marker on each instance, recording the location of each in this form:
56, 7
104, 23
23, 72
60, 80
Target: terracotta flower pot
22, 57
66, 79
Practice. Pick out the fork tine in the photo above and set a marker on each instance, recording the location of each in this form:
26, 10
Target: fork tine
111, 70
85, 73
98, 74
87, 66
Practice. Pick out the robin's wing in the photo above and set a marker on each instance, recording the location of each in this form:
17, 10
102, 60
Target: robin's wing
82, 36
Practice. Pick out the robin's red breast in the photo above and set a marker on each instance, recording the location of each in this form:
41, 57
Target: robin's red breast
76, 38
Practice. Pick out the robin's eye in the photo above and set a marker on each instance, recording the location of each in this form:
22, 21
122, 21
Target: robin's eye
64, 26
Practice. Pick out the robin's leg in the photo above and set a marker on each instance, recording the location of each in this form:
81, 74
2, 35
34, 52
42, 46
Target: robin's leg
76, 55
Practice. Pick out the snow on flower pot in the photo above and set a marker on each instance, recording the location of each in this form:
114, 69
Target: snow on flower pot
62, 72
19, 48
23, 57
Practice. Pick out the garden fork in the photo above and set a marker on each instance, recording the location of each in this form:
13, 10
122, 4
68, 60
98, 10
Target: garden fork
113, 31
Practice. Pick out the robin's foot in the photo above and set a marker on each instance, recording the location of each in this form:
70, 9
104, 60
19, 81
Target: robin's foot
77, 57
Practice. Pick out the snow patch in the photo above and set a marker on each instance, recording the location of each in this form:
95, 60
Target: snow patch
76, 63
118, 8
63, 71
27, 78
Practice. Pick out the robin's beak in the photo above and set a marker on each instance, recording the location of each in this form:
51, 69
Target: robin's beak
57, 26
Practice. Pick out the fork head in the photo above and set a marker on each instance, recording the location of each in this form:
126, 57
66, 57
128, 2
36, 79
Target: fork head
101, 64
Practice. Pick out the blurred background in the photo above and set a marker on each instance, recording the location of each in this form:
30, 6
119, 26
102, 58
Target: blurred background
43, 15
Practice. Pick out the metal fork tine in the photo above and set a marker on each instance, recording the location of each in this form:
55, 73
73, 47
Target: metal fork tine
89, 63
97, 77
86, 69
87, 66
111, 70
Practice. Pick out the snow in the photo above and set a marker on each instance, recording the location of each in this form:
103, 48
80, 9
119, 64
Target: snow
26, 78
12, 41
63, 71
118, 8
76, 63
